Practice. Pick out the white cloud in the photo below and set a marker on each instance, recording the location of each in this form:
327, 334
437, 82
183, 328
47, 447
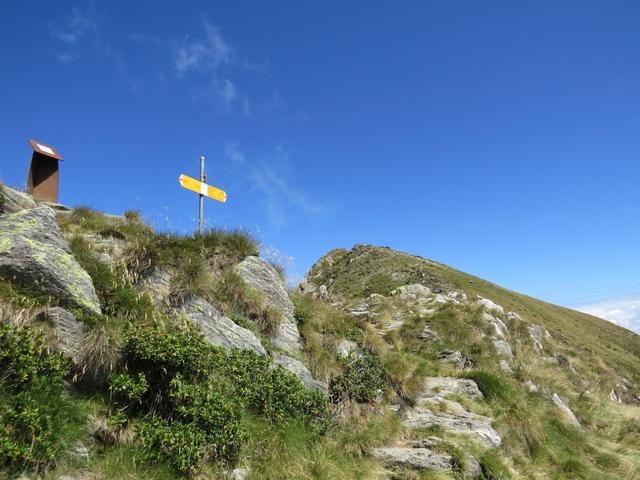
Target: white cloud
206, 53
623, 311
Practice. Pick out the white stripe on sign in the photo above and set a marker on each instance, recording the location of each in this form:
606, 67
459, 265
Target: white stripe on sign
203, 189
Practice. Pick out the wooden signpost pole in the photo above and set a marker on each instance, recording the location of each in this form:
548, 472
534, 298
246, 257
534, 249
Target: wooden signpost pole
203, 179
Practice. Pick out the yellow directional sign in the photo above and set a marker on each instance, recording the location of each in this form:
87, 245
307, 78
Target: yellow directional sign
202, 188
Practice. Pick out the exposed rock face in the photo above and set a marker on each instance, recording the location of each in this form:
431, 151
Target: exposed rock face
218, 329
299, 370
433, 409
15, 200
346, 348
34, 253
412, 293
500, 329
505, 367
458, 359
417, 458
157, 283
489, 305
442, 386
566, 411
537, 337
503, 349
265, 279
457, 420
69, 331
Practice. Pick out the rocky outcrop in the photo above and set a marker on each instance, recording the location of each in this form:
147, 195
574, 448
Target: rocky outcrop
157, 283
218, 329
416, 458
432, 409
299, 370
433, 387
262, 277
68, 331
500, 329
34, 253
15, 200
490, 305
457, 359
503, 349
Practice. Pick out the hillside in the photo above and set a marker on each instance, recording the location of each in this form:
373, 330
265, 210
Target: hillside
130, 354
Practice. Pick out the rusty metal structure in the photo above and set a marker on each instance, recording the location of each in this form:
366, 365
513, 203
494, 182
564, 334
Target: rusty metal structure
43, 178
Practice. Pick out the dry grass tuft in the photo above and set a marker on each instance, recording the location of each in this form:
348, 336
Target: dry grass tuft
101, 353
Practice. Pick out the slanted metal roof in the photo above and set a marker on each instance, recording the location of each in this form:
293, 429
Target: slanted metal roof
45, 149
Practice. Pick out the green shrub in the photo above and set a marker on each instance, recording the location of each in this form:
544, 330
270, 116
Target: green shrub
361, 379
303, 309
492, 386
35, 415
274, 392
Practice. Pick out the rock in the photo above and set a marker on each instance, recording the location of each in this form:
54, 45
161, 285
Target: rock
264, 278
239, 474
472, 468
346, 348
299, 370
218, 329
531, 387
360, 311
489, 305
498, 325
434, 387
413, 293
157, 283
459, 422
458, 359
429, 442
537, 337
34, 253
505, 367
69, 331
513, 316
503, 348
417, 458
81, 452
15, 200
566, 411
429, 334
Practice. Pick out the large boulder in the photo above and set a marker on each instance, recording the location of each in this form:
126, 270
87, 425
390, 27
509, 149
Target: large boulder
433, 387
299, 370
33, 253
261, 276
218, 329
69, 332
15, 200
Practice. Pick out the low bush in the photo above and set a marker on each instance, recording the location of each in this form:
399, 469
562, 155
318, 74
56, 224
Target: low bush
195, 395
361, 379
36, 418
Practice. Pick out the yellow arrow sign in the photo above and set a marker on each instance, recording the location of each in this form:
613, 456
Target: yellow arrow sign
202, 188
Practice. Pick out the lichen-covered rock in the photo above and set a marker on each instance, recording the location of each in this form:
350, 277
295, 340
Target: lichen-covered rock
15, 200
413, 293
265, 279
299, 370
416, 458
490, 305
218, 329
537, 337
68, 330
34, 253
500, 329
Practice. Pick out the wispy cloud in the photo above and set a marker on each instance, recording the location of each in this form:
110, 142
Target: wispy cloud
77, 24
233, 152
268, 178
206, 53
623, 311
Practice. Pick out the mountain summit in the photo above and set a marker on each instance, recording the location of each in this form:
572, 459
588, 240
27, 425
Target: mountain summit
127, 353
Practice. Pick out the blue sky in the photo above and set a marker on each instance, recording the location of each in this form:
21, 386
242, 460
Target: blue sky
501, 138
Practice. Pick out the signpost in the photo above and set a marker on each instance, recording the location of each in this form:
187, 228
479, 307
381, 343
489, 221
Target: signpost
204, 190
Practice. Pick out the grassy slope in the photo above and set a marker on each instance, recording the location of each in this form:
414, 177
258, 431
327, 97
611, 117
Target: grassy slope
366, 270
